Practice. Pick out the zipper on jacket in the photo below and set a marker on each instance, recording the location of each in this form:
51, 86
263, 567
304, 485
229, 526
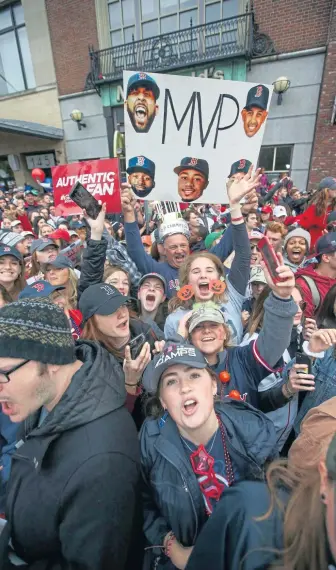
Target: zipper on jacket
186, 488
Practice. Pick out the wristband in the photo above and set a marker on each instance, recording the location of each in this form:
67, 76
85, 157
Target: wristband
237, 219
289, 394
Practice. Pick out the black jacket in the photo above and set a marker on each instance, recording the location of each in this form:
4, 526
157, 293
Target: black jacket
171, 494
73, 498
232, 539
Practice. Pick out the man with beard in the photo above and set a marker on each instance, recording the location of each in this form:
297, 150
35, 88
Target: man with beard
255, 113
193, 178
142, 94
152, 296
141, 171
296, 245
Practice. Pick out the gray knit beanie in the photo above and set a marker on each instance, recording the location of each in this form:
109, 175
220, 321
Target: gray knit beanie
298, 232
35, 329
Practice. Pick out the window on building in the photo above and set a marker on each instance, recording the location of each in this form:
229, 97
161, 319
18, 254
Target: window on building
16, 68
276, 159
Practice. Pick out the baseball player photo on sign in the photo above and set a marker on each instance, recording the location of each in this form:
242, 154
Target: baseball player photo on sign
186, 135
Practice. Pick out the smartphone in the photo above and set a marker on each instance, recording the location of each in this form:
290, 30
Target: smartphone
136, 345
82, 197
270, 258
304, 359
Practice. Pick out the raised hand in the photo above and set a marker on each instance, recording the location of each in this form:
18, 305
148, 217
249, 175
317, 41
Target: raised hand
237, 189
97, 225
321, 340
283, 288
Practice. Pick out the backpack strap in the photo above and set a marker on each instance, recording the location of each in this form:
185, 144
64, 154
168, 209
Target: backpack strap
313, 289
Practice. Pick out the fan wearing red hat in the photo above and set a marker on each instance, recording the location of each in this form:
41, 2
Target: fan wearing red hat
266, 214
62, 238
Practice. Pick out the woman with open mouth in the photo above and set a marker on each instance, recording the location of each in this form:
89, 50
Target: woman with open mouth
106, 319
296, 246
192, 449
242, 368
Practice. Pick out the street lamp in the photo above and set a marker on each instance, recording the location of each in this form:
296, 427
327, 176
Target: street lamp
77, 116
280, 86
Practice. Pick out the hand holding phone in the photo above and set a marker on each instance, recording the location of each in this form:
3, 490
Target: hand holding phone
82, 197
270, 259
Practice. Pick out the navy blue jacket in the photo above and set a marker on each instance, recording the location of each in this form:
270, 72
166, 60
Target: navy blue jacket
172, 497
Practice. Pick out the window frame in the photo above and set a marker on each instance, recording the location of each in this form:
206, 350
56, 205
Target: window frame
14, 28
275, 147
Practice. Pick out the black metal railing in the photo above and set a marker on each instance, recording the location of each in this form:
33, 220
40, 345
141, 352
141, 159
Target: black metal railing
231, 37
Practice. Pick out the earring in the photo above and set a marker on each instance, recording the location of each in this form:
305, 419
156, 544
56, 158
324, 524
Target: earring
185, 293
217, 286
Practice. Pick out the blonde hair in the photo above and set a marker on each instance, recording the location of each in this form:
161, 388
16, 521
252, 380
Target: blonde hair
184, 271
72, 289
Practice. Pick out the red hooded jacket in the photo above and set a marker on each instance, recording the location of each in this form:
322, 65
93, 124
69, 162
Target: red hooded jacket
323, 285
311, 222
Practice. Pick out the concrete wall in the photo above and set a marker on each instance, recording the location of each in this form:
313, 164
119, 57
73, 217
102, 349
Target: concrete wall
293, 122
39, 41
91, 141
34, 106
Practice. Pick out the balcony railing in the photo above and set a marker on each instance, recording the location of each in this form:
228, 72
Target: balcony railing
227, 38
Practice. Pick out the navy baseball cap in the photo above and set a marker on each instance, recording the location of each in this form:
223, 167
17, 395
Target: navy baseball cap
77, 225
156, 276
172, 354
327, 182
101, 299
189, 163
141, 164
143, 79
241, 165
41, 244
257, 97
61, 262
325, 244
39, 289
8, 250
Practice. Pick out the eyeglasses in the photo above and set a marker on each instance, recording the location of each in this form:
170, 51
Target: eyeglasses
254, 248
4, 374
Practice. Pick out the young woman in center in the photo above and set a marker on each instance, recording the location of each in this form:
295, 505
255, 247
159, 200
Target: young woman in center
192, 449
241, 368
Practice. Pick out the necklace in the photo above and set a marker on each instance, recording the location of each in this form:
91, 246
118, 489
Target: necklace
203, 465
212, 444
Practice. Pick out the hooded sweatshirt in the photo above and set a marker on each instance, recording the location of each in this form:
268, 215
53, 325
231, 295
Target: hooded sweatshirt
73, 491
323, 285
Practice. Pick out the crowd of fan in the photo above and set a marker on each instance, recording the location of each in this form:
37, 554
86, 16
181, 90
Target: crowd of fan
166, 403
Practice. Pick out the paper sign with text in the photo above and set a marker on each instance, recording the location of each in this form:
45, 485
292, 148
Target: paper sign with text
100, 177
185, 135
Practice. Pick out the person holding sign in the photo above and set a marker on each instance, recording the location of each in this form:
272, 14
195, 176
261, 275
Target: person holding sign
255, 112
193, 178
141, 97
141, 171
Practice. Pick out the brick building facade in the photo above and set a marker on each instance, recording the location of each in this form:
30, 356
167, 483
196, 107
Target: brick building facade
301, 46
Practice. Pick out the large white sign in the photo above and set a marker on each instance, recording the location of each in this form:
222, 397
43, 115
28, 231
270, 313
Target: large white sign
185, 136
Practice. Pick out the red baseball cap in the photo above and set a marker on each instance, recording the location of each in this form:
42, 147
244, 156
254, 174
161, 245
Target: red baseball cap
266, 210
60, 234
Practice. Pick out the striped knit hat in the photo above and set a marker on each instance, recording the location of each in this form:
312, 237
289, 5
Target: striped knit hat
35, 329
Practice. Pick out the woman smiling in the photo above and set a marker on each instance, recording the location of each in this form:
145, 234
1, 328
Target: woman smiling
11, 271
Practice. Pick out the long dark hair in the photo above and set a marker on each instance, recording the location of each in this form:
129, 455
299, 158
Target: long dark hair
257, 316
325, 317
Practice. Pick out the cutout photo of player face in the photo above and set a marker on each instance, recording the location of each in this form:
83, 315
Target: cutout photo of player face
141, 171
193, 178
255, 112
142, 94
239, 169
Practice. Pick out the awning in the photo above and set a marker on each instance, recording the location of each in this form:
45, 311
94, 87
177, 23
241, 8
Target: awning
30, 129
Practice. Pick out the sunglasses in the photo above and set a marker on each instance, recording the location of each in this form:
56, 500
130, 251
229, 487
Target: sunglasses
254, 248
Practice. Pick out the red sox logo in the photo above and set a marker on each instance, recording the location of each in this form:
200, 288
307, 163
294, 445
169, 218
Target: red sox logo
140, 160
142, 76
39, 287
193, 161
242, 163
259, 91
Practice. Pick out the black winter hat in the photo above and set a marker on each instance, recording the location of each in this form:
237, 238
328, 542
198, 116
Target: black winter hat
35, 329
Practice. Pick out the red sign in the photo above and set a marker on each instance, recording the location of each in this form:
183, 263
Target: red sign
100, 177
